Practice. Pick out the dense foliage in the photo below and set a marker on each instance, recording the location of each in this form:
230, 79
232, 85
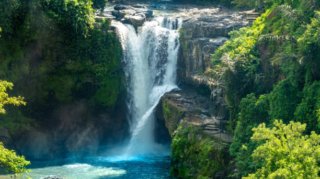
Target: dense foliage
196, 154
285, 152
57, 54
9, 160
67, 66
270, 71
5, 99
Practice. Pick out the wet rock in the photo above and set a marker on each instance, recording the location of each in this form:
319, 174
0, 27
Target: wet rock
190, 107
117, 14
139, 6
149, 13
135, 15
121, 7
135, 20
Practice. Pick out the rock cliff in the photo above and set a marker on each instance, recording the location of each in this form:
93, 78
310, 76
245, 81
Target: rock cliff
199, 139
196, 116
201, 34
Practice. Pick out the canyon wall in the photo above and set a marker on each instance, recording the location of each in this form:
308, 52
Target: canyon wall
196, 115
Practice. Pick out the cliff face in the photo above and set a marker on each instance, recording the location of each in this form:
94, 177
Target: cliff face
201, 34
199, 139
195, 116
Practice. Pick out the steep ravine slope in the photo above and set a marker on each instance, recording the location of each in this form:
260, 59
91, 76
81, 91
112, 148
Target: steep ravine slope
265, 72
196, 114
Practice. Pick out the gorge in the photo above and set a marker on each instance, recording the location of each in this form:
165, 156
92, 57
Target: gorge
159, 89
168, 48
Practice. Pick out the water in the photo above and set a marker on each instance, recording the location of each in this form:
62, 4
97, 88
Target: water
102, 168
150, 56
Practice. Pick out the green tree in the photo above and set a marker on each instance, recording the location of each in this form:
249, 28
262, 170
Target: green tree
283, 100
8, 12
5, 99
309, 46
9, 160
12, 162
308, 110
75, 17
285, 152
241, 148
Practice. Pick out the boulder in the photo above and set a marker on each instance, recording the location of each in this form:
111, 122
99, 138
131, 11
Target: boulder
195, 109
135, 20
117, 14
135, 15
139, 6
148, 13
119, 7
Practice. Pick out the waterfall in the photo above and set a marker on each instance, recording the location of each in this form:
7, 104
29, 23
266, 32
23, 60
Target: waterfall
150, 57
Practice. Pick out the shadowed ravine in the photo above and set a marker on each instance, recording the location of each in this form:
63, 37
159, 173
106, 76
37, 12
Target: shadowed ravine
150, 55
157, 51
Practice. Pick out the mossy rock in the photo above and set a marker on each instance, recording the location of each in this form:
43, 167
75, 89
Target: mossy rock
172, 115
195, 155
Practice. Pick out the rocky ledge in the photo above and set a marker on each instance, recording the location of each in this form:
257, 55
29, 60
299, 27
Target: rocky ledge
189, 107
135, 15
196, 116
199, 139
203, 31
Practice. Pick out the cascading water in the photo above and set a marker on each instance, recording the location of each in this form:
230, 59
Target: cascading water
150, 57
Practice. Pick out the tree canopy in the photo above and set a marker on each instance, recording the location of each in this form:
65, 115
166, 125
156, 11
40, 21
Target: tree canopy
284, 151
9, 160
5, 99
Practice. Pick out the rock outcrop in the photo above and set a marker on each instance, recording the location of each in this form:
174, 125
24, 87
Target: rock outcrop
196, 116
199, 139
202, 32
135, 15
188, 106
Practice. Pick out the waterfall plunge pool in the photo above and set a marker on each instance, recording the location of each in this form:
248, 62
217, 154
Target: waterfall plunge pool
159, 39
150, 167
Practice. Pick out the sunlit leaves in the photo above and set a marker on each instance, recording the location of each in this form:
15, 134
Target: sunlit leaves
8, 158
5, 99
11, 162
286, 152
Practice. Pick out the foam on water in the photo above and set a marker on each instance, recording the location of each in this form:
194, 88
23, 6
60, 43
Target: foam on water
75, 171
150, 56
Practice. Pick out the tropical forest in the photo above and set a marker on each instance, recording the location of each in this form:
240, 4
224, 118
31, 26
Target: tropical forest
159, 89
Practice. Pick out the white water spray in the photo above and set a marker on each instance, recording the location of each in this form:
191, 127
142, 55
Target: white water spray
150, 57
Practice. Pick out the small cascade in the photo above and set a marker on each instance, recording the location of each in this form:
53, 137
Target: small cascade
150, 57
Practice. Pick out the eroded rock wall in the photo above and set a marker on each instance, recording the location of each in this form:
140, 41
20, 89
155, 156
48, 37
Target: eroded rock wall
201, 34
196, 115
199, 139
